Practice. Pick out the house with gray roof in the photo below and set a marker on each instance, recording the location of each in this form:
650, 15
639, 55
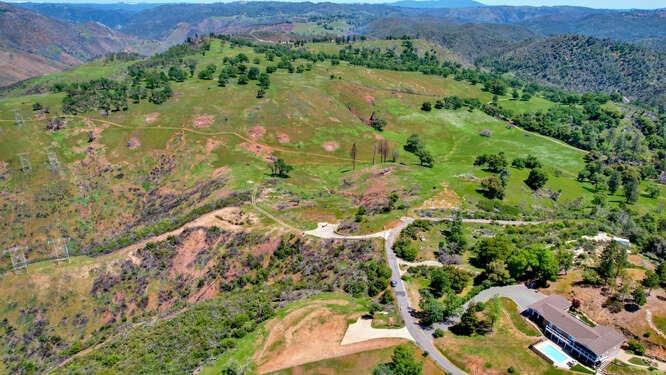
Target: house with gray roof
591, 346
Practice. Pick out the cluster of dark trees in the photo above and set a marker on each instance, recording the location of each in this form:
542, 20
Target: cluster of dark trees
147, 80
441, 300
403, 362
100, 94
478, 319
235, 67
503, 262
416, 146
376, 122
493, 186
453, 241
609, 176
280, 168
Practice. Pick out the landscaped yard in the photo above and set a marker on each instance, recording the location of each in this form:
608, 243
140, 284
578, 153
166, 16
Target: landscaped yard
506, 347
619, 368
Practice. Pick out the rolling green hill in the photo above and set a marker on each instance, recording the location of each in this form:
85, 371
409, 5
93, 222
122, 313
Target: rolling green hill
159, 172
131, 172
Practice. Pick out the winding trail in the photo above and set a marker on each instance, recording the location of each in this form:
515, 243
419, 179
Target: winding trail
208, 134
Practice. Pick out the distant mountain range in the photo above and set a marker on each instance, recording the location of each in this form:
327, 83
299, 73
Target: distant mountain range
428, 4
36, 37
112, 15
32, 44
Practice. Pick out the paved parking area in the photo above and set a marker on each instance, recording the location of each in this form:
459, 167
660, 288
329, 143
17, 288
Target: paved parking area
520, 294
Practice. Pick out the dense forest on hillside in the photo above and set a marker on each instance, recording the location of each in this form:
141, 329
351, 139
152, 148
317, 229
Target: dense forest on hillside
588, 64
468, 41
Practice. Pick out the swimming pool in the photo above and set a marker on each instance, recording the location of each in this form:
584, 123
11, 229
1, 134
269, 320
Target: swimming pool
551, 351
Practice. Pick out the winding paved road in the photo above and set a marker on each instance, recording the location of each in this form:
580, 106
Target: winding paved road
423, 338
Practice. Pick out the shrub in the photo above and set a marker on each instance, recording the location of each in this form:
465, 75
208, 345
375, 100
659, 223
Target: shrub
536, 179
404, 250
492, 187
636, 347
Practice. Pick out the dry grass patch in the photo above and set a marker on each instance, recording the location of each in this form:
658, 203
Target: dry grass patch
309, 334
358, 363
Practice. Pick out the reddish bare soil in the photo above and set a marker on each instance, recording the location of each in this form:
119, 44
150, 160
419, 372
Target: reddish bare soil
186, 254
257, 132
211, 145
203, 121
283, 138
260, 150
330, 146
309, 334
151, 117
133, 143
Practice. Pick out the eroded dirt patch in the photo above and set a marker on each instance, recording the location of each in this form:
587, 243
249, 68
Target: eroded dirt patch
444, 199
259, 150
283, 138
203, 121
257, 132
133, 143
330, 146
151, 117
211, 145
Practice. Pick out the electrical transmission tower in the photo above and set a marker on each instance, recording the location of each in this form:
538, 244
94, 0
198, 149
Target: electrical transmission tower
59, 248
18, 119
53, 163
17, 256
26, 167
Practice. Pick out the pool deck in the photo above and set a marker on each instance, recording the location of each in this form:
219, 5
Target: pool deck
544, 347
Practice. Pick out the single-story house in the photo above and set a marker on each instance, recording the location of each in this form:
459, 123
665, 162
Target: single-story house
591, 346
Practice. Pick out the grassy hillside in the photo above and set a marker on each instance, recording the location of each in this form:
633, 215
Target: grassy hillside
172, 204
149, 166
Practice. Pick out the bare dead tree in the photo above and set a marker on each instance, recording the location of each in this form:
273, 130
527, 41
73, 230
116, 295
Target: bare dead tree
352, 154
394, 156
374, 152
386, 150
380, 150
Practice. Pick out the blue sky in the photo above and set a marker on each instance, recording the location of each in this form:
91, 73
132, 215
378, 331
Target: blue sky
606, 4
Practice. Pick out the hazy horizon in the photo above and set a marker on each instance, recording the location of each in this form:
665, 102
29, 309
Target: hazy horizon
597, 4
